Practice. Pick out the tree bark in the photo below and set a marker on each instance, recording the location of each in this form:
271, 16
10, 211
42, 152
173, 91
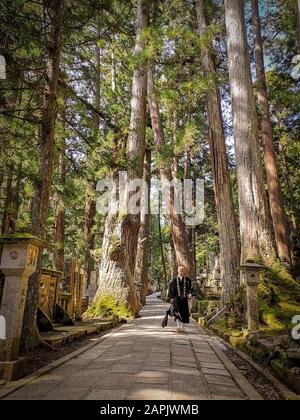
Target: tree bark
54, 13
121, 233
142, 258
173, 258
89, 222
178, 227
8, 202
228, 228
162, 252
90, 202
257, 239
274, 188
59, 231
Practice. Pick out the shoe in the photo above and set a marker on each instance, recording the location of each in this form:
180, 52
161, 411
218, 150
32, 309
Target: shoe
179, 330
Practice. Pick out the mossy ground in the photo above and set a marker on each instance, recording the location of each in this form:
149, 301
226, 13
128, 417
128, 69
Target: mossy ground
279, 296
106, 307
279, 302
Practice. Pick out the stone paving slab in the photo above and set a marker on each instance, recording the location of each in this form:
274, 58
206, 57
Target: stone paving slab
143, 361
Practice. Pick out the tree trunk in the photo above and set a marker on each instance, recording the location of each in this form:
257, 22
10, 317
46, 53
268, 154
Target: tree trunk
54, 13
229, 242
162, 251
274, 188
292, 202
292, 207
298, 24
16, 202
178, 227
142, 258
90, 203
89, 222
7, 203
59, 233
255, 225
121, 233
173, 259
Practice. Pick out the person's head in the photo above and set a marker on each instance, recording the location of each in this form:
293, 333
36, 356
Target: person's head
182, 271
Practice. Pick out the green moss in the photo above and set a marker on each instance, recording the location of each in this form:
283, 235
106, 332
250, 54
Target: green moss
106, 306
279, 296
256, 353
19, 236
271, 320
115, 245
238, 342
206, 307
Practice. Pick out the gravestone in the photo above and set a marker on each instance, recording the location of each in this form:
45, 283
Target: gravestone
79, 281
18, 263
48, 293
68, 284
93, 287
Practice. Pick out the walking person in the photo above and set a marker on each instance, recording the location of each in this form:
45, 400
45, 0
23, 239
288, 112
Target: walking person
180, 292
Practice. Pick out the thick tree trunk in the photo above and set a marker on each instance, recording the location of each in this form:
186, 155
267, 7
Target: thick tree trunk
255, 224
54, 13
89, 222
178, 227
274, 188
59, 231
142, 257
228, 229
121, 232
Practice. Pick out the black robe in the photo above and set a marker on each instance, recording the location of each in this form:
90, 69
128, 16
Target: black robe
181, 302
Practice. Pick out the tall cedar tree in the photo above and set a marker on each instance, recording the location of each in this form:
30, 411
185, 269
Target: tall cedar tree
229, 242
255, 224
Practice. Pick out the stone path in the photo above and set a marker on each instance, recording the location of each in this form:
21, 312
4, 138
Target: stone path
143, 361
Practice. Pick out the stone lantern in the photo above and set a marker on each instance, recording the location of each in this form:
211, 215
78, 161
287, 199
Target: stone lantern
250, 277
18, 262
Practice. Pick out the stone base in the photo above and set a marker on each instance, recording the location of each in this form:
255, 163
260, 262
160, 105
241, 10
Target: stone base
14, 370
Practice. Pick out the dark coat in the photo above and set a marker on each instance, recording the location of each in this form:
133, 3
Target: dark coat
180, 301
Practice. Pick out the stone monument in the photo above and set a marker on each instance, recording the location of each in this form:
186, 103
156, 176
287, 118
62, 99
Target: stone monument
250, 277
18, 263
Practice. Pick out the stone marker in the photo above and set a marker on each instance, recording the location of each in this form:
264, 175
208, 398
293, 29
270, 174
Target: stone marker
18, 263
250, 276
92, 289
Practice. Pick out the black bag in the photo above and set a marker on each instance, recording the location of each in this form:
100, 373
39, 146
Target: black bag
170, 312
